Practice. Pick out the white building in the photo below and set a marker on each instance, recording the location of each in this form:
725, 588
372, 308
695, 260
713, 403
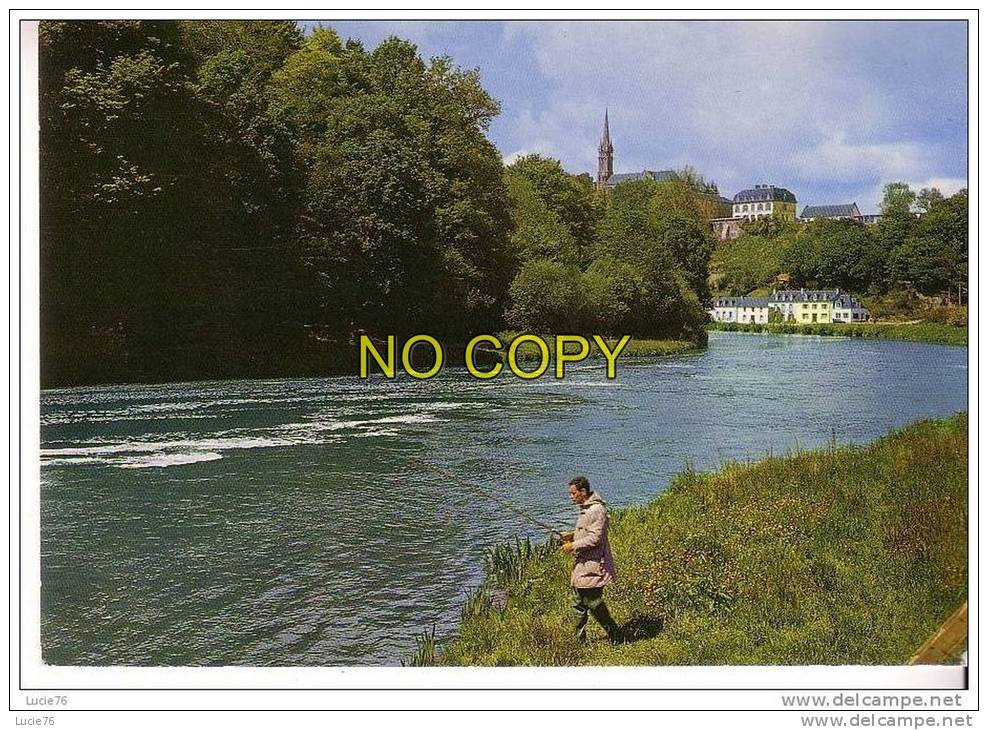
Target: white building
806, 306
848, 309
743, 310
800, 306
765, 201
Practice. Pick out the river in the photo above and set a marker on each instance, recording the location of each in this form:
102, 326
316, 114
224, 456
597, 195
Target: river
281, 522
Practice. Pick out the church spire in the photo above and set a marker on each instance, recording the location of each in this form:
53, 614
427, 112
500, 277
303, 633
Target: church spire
605, 154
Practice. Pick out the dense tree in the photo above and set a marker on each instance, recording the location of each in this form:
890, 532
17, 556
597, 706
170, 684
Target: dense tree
897, 199
946, 221
119, 158
229, 197
571, 199
750, 262
926, 198
168, 245
405, 216
691, 246
687, 195
549, 296
928, 266
835, 253
538, 231
671, 254
640, 220
934, 257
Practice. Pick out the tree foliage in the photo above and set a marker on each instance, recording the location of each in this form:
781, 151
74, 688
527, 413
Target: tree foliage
229, 197
630, 261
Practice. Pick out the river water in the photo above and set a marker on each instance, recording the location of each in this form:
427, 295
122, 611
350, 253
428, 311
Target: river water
283, 522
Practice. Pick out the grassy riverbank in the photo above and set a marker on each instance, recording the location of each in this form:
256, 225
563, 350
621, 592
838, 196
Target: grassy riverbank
934, 332
845, 555
635, 348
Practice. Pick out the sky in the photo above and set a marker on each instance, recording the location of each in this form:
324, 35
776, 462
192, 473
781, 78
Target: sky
830, 110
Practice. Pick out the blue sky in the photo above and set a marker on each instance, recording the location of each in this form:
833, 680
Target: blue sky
830, 110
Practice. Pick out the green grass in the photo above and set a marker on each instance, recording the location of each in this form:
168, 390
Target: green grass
933, 332
635, 348
845, 555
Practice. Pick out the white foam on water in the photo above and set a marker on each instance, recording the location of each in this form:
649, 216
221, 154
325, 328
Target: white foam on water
376, 432
333, 424
184, 448
408, 418
147, 447
165, 460
63, 419
74, 460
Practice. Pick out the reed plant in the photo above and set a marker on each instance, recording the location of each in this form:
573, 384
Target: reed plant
426, 652
933, 332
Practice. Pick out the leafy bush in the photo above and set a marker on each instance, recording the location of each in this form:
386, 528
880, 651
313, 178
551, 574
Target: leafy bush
549, 296
954, 316
747, 263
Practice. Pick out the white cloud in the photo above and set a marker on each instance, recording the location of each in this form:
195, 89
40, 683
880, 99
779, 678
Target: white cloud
841, 161
869, 200
946, 185
744, 102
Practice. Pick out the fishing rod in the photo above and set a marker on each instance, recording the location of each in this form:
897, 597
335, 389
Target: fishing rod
477, 489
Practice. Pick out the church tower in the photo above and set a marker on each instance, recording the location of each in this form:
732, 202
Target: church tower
605, 155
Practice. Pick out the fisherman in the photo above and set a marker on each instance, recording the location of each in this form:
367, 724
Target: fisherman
594, 567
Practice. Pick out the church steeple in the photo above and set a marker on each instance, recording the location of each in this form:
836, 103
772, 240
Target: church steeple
605, 154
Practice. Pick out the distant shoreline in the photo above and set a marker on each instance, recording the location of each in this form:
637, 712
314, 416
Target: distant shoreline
930, 332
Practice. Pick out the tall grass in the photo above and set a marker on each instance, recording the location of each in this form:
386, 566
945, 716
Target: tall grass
934, 332
426, 652
506, 567
505, 563
843, 555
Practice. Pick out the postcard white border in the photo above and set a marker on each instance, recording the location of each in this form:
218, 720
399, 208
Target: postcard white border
203, 687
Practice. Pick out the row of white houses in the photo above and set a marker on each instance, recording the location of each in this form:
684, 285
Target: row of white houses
803, 306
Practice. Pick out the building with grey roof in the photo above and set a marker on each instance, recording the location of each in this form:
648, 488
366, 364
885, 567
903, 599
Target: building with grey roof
765, 201
843, 211
622, 177
804, 295
800, 306
744, 310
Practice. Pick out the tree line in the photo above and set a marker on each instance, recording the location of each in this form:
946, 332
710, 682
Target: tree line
237, 198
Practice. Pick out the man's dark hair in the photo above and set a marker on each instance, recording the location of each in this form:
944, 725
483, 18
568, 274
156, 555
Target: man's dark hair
581, 483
